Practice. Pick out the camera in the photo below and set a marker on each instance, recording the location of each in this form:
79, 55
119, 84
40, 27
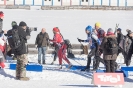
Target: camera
31, 28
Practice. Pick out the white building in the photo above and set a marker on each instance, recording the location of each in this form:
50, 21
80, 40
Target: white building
68, 2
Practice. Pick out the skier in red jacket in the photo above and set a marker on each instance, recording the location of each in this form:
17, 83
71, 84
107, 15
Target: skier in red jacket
58, 40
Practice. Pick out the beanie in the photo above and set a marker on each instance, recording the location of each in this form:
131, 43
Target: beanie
56, 29
127, 30
119, 29
13, 23
130, 32
22, 23
110, 30
88, 28
98, 24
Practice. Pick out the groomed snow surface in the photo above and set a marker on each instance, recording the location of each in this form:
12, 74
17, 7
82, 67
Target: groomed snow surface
72, 25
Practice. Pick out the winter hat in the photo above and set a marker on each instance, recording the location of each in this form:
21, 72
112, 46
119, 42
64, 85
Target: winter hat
56, 29
127, 30
130, 32
89, 28
110, 32
119, 29
22, 23
1, 14
98, 24
13, 23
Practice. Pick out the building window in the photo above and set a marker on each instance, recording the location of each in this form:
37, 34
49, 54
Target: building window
58, 0
86, 0
82, 0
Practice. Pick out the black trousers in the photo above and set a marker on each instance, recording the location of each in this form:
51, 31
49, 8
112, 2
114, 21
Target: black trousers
110, 65
123, 53
56, 52
96, 60
128, 58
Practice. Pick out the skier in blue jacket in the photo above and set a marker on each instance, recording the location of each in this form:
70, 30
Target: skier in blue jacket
94, 43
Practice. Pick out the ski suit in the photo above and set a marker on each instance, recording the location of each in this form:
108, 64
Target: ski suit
58, 40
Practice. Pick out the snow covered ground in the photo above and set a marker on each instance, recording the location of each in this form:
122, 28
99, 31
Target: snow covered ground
72, 25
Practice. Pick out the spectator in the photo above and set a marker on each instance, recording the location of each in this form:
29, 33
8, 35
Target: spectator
42, 42
109, 54
1, 21
128, 47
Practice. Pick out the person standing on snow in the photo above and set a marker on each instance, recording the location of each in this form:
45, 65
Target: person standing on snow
120, 38
2, 49
128, 47
101, 34
94, 42
109, 51
42, 42
21, 53
8, 34
1, 21
58, 40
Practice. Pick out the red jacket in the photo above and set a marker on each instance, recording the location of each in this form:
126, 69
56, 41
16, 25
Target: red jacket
57, 38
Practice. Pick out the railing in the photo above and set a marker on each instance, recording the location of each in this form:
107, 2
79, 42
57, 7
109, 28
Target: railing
76, 49
27, 7
86, 7
73, 7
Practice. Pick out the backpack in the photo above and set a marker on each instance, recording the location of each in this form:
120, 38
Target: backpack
14, 39
69, 49
111, 46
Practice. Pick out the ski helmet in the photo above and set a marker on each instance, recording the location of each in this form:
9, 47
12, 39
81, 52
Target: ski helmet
98, 24
56, 29
89, 28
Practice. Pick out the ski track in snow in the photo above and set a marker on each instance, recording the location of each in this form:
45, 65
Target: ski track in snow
72, 25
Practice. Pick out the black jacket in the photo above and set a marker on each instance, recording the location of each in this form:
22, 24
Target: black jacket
120, 37
22, 49
42, 40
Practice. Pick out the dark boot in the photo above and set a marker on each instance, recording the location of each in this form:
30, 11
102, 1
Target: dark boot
128, 62
43, 62
39, 62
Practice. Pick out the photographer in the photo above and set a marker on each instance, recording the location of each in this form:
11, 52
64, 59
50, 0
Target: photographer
17, 39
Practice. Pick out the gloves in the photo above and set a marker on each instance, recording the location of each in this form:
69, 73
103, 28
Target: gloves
99, 42
80, 40
50, 39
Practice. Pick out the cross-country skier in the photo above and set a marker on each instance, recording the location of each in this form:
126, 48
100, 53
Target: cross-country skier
94, 42
58, 40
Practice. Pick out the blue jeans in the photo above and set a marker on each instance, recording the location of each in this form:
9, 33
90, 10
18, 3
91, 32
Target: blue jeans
41, 51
